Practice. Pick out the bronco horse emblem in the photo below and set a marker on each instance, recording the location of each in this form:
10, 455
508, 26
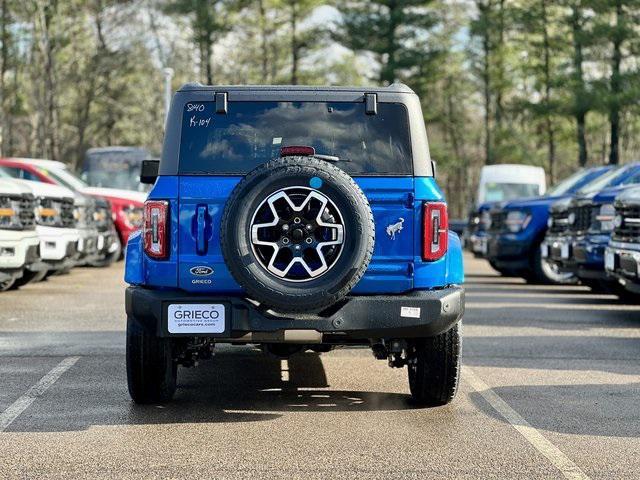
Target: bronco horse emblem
395, 228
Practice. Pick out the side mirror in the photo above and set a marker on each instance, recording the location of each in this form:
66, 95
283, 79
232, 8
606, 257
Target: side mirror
149, 171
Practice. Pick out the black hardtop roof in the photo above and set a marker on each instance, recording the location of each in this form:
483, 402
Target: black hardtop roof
394, 93
393, 88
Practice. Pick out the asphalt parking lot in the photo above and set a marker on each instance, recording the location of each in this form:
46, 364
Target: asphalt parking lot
550, 389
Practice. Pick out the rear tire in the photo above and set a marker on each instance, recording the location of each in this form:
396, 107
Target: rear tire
434, 367
151, 369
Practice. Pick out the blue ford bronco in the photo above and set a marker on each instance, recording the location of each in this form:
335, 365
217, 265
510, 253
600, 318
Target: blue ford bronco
294, 218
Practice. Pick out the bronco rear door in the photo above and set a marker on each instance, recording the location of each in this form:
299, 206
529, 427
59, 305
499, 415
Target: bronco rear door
221, 145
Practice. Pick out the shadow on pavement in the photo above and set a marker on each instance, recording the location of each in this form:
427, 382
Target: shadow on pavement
233, 387
601, 410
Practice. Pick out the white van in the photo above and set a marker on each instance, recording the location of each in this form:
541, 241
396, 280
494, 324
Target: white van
499, 183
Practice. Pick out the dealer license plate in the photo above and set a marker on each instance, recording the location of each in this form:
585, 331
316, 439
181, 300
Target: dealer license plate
196, 318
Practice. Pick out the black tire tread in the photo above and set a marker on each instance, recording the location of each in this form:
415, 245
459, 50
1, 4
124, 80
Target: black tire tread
151, 370
301, 302
436, 377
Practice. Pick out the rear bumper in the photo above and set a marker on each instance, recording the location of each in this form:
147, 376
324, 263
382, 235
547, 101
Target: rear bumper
422, 313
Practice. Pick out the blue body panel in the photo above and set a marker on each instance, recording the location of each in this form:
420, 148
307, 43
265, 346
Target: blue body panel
515, 246
594, 243
396, 265
521, 244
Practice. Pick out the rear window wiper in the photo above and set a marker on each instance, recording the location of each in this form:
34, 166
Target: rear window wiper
328, 158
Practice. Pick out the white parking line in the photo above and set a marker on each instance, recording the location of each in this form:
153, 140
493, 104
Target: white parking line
21, 404
534, 437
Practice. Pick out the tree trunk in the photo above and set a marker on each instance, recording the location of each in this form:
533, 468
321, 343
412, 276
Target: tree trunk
388, 68
551, 146
209, 60
4, 38
486, 80
614, 101
580, 107
295, 48
264, 41
499, 87
46, 14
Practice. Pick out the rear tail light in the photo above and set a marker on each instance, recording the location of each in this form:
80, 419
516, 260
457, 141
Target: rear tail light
435, 234
297, 150
156, 234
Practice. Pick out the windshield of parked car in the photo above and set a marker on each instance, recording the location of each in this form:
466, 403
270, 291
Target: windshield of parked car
4, 173
115, 168
629, 174
65, 178
576, 181
498, 192
251, 133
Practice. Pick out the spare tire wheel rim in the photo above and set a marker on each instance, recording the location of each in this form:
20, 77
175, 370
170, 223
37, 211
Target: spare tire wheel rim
297, 234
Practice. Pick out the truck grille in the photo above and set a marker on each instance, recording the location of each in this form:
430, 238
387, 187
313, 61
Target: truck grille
629, 230
497, 221
66, 213
583, 217
560, 223
27, 212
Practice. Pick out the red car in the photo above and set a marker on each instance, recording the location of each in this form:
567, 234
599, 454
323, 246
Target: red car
127, 205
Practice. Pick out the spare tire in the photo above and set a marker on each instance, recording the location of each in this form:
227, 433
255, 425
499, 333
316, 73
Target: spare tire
297, 234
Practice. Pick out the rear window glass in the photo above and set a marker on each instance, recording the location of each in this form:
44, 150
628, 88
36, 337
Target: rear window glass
251, 133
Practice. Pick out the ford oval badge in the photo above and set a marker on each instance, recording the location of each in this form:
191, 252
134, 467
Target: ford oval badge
201, 271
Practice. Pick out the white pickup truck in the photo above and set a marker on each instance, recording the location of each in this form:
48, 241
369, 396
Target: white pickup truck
19, 241
56, 228
54, 214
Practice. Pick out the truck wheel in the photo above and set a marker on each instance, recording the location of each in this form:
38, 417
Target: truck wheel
624, 295
151, 369
598, 286
546, 273
6, 284
30, 277
297, 234
109, 258
434, 368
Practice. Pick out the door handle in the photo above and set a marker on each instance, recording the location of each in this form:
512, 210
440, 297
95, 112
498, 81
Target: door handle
201, 225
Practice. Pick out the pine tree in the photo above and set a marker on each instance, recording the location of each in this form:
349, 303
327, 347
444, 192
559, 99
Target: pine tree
394, 32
